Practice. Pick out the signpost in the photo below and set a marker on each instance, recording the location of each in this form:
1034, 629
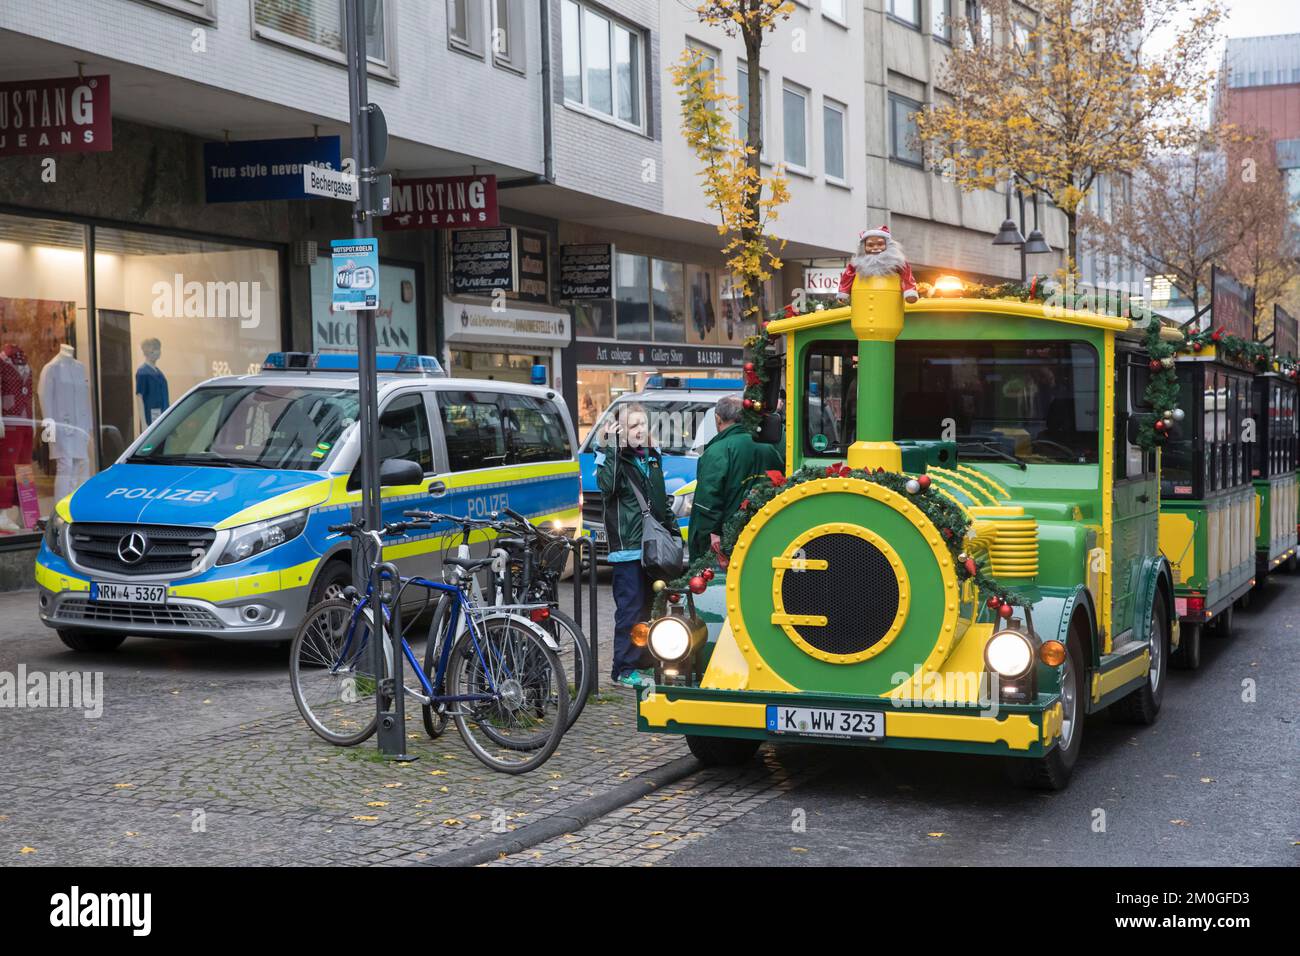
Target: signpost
330, 183
369, 149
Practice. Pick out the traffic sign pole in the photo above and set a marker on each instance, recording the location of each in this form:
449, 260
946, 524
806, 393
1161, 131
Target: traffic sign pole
392, 719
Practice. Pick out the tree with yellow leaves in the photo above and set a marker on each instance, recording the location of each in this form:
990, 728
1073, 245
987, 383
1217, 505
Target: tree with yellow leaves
734, 186
1053, 102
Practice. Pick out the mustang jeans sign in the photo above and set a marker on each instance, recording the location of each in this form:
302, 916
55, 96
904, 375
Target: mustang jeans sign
69, 115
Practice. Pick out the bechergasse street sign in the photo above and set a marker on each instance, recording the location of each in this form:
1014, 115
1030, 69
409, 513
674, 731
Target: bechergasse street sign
330, 183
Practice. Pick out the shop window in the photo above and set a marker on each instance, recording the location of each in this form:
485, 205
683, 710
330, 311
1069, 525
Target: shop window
534, 430
316, 26
471, 425
632, 295
397, 320
173, 312
701, 309
593, 318
47, 427
669, 300
404, 432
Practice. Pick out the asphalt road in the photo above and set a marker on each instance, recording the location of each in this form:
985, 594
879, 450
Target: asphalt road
1214, 781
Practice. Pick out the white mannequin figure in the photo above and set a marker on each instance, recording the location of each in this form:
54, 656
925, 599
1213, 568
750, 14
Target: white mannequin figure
64, 391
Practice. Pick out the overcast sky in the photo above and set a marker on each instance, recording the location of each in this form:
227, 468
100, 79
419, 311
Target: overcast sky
1252, 18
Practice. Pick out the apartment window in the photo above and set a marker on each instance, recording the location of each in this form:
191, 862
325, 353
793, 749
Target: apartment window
980, 23
742, 88
316, 26
508, 34
909, 11
708, 56
833, 126
902, 130
794, 124
941, 19
836, 10
465, 26
603, 65
198, 9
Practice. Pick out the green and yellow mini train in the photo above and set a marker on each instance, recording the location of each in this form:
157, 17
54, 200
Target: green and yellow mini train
963, 552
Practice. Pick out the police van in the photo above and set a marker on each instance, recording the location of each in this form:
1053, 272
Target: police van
213, 523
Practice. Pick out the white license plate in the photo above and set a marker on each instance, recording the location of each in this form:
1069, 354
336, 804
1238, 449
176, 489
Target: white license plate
598, 534
129, 593
825, 722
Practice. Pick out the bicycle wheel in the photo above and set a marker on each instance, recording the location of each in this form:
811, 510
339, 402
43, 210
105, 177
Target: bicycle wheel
435, 716
331, 675
519, 725
575, 657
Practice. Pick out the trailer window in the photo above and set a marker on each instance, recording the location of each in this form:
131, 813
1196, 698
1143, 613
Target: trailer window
1178, 460
1036, 401
830, 398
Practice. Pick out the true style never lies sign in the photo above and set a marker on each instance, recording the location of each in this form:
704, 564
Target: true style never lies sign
69, 115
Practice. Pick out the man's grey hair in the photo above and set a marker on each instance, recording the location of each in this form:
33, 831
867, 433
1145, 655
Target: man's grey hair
728, 409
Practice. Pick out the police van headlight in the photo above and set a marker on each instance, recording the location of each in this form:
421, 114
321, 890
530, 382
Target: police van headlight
54, 529
682, 504
250, 539
1009, 654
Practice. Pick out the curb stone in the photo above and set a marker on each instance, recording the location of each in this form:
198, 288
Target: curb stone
575, 818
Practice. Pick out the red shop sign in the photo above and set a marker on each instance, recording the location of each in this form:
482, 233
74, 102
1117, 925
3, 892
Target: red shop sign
69, 115
443, 202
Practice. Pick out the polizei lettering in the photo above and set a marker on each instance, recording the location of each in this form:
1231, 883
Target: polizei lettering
164, 494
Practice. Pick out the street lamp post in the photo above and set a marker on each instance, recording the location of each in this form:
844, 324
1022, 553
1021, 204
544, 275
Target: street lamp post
1009, 234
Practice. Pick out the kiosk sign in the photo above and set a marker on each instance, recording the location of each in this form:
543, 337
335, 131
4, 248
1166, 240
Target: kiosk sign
356, 274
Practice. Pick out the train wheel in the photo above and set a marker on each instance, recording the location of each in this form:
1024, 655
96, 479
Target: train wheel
722, 751
1222, 628
1243, 602
1291, 564
1053, 771
1143, 705
1188, 655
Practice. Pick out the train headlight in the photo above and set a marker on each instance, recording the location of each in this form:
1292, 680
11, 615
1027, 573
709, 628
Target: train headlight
1009, 654
673, 638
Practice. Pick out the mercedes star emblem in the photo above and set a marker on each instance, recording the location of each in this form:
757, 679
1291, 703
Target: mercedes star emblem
131, 547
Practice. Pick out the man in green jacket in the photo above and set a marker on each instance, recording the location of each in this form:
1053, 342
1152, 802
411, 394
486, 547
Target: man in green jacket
729, 464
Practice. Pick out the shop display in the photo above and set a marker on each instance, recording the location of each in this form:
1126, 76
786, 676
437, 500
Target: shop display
150, 385
16, 445
64, 390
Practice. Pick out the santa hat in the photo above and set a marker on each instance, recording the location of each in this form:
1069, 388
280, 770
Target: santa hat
880, 232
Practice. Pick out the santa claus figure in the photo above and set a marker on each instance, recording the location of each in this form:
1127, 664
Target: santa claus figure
879, 254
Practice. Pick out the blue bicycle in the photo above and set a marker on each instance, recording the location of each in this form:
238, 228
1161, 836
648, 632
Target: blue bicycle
493, 671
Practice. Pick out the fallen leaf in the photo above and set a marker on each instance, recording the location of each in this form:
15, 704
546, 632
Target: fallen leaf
131, 833
798, 849
437, 773
452, 822
376, 803
207, 700
390, 786
444, 790
27, 849
123, 786
935, 834
367, 819
1179, 823
1207, 780
476, 816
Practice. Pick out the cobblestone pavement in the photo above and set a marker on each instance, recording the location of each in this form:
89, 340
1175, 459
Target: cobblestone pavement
200, 757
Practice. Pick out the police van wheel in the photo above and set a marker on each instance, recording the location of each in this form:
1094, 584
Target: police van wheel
1188, 655
722, 751
1053, 771
90, 642
329, 586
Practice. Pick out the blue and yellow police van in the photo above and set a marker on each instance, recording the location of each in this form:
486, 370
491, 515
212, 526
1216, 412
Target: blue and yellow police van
213, 523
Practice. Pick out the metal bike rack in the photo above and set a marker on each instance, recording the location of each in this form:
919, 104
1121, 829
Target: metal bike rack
392, 723
583, 544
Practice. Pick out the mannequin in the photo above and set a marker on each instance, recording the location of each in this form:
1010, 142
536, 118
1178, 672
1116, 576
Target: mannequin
65, 403
150, 385
16, 445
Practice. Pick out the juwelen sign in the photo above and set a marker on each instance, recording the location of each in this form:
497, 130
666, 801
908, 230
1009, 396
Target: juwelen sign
1285, 332
443, 202
70, 115
1232, 305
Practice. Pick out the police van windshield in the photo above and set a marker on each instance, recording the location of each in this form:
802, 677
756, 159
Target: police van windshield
676, 427
251, 426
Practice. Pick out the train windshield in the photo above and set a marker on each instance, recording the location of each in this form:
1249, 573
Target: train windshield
1030, 402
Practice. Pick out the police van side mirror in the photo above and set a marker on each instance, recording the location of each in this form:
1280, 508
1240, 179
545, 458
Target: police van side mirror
392, 473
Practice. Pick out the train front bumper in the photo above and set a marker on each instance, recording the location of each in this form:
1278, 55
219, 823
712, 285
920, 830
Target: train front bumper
1023, 730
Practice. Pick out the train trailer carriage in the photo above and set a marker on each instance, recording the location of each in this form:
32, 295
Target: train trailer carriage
1273, 462
1207, 503
962, 555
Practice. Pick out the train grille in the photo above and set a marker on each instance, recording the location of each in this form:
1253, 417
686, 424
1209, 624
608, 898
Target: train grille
857, 593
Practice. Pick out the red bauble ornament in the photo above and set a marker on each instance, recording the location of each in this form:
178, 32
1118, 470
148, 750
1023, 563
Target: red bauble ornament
707, 574
1154, 365
971, 567
748, 403
698, 584
995, 602
1196, 346
674, 597
749, 366
744, 505
947, 534
923, 481
1159, 425
1217, 334
1005, 611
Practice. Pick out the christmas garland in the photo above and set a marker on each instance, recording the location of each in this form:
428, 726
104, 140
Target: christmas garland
946, 516
1248, 355
756, 376
1161, 391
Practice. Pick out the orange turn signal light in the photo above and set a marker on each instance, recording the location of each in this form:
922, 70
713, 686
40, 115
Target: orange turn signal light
1052, 653
640, 634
